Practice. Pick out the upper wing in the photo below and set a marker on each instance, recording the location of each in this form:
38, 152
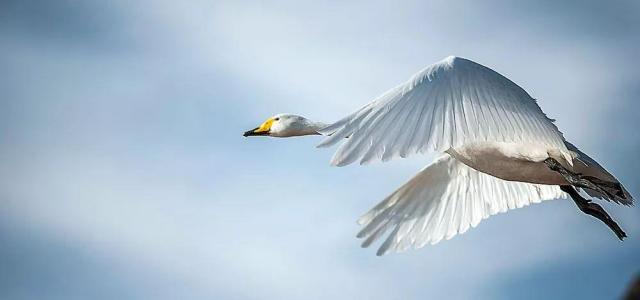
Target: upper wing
450, 103
445, 199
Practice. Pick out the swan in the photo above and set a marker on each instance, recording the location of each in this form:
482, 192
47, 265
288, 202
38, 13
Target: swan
497, 151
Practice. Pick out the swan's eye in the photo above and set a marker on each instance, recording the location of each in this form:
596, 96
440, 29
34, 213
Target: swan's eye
276, 119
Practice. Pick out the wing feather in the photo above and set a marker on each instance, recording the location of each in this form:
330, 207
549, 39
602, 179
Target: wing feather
443, 200
448, 104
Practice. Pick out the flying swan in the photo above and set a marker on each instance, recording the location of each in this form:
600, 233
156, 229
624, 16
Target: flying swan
499, 151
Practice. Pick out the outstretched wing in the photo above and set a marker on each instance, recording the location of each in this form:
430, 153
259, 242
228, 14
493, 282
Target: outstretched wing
450, 103
446, 198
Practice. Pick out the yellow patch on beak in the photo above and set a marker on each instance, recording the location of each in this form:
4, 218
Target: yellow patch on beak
265, 127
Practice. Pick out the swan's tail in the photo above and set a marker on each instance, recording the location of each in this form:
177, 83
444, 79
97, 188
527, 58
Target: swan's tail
607, 187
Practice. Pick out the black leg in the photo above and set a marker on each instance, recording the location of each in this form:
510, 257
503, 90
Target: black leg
575, 179
593, 209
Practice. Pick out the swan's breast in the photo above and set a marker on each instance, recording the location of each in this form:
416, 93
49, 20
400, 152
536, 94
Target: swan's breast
509, 161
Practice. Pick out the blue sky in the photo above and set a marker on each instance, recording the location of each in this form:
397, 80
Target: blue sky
125, 175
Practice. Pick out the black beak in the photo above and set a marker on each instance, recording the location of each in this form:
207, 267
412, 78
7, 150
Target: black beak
253, 132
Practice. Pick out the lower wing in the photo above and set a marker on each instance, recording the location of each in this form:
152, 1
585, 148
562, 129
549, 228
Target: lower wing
444, 199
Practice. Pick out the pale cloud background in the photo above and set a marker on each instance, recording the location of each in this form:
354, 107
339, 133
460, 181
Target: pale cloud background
125, 175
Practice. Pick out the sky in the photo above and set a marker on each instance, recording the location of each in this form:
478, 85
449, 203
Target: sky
125, 174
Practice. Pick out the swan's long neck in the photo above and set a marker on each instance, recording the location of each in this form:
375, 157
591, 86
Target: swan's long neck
317, 126
313, 128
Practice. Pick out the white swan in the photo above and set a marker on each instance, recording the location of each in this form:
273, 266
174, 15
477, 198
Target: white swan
499, 152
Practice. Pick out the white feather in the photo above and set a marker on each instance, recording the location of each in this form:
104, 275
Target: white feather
445, 199
451, 103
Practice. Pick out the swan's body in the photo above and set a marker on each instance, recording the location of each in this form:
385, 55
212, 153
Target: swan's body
499, 152
522, 162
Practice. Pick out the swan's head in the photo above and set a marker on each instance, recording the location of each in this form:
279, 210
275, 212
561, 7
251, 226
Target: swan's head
285, 125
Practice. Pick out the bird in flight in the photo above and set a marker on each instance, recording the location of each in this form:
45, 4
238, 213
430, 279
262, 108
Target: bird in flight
498, 151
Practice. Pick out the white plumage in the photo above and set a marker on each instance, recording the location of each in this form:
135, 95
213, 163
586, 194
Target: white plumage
449, 104
444, 199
